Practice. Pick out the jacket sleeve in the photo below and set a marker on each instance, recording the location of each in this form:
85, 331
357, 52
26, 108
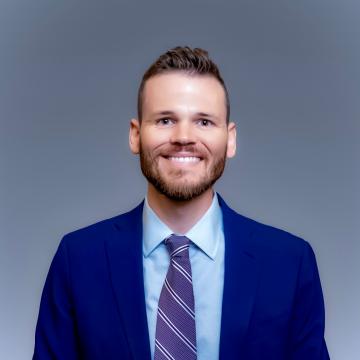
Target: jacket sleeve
308, 321
55, 335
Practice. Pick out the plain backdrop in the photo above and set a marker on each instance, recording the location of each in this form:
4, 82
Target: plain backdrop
69, 73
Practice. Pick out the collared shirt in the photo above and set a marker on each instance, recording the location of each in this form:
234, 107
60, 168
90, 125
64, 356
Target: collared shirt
207, 249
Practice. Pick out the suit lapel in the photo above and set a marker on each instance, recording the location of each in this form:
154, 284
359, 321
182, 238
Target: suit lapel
240, 282
126, 270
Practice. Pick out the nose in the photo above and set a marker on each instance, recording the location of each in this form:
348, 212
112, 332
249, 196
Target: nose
183, 134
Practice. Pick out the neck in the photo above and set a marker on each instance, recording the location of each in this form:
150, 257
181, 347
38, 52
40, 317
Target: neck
179, 216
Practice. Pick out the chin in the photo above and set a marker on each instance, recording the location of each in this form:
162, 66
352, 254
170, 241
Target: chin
183, 193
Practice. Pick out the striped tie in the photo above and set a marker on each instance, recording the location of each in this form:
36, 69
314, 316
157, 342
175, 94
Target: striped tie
175, 337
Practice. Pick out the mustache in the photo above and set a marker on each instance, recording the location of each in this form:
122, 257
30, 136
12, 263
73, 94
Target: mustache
188, 149
167, 150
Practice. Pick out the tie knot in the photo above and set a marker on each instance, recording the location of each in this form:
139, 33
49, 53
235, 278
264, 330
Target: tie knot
177, 246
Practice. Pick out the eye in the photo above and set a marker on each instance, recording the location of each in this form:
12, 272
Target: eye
205, 122
164, 121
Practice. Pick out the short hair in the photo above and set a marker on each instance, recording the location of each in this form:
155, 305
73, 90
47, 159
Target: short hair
191, 61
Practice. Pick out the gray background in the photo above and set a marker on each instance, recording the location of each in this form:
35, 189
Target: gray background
69, 73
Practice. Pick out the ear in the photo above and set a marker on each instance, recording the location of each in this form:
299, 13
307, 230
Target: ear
231, 142
134, 136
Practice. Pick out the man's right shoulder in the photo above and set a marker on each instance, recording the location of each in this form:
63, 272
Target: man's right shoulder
96, 233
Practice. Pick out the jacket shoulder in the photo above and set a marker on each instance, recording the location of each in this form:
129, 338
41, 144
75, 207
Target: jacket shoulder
262, 238
97, 232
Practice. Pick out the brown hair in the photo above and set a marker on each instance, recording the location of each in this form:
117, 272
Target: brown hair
192, 61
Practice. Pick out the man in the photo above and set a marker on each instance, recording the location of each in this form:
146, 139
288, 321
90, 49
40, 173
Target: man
182, 276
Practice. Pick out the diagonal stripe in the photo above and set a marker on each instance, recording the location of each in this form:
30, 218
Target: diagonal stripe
163, 350
179, 300
175, 337
179, 268
182, 337
179, 250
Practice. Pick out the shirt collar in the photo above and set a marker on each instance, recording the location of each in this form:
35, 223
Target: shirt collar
205, 234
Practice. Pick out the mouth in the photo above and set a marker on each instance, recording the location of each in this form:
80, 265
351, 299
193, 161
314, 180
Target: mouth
184, 159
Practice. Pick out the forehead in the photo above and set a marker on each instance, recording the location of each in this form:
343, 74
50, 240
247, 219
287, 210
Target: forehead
179, 91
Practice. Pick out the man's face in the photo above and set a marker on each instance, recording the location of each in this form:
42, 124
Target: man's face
183, 139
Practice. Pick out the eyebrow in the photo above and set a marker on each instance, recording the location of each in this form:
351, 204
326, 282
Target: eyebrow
169, 112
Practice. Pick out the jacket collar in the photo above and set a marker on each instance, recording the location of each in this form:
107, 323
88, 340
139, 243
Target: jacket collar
240, 282
126, 271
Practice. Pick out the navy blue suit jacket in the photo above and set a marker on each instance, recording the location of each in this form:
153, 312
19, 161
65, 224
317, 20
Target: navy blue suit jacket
93, 304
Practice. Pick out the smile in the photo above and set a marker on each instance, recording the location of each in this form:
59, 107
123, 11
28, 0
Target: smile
184, 159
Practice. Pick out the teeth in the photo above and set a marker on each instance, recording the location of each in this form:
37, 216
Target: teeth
184, 159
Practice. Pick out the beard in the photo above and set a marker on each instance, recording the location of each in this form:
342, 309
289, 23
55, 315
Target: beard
181, 190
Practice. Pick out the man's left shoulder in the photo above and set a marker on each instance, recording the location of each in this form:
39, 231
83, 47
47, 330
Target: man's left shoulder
272, 238
264, 239
279, 249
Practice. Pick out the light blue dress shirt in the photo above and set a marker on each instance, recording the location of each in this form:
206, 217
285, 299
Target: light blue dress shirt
207, 250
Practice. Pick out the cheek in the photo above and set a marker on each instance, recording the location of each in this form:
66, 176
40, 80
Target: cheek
216, 145
151, 140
